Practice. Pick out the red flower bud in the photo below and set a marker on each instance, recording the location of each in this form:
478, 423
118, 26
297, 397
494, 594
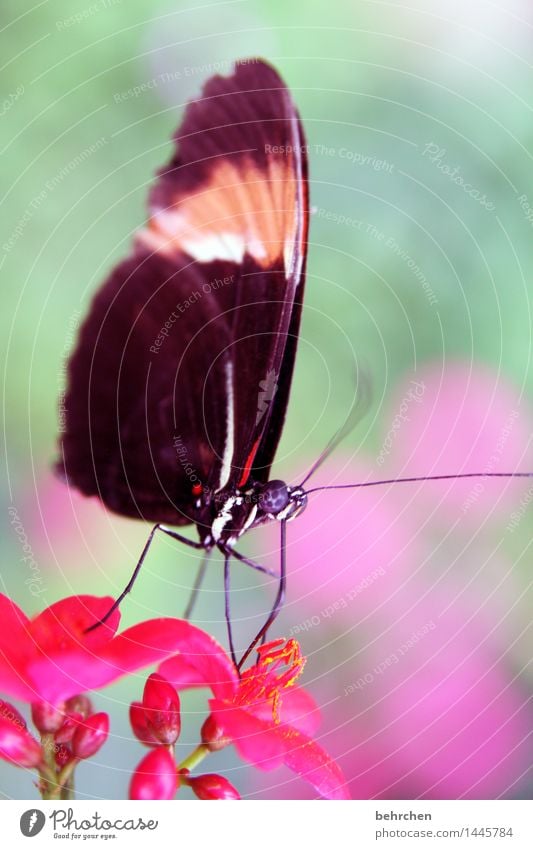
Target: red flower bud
17, 745
155, 776
63, 755
162, 709
211, 786
7, 711
66, 732
213, 735
79, 704
140, 725
91, 736
46, 717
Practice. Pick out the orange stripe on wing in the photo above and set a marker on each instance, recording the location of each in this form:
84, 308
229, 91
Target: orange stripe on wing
240, 208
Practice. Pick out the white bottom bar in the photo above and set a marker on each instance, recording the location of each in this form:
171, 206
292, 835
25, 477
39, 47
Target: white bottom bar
269, 825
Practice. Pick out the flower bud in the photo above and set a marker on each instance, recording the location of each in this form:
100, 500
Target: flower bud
7, 711
66, 732
140, 725
79, 704
213, 735
47, 717
155, 776
212, 787
91, 736
162, 709
63, 755
17, 745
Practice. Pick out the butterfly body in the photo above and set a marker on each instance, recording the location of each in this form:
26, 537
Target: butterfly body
223, 517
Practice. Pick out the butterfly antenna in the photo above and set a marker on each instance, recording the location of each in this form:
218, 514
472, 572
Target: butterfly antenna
421, 478
360, 406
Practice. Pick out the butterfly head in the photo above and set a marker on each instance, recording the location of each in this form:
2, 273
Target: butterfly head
279, 501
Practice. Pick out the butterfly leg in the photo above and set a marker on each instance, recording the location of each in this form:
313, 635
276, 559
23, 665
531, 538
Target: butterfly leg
200, 575
227, 610
251, 563
191, 543
228, 553
137, 569
280, 598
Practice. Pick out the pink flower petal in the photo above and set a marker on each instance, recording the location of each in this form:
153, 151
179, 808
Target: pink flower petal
61, 660
308, 760
49, 657
203, 663
296, 707
149, 642
63, 675
14, 646
64, 624
268, 746
254, 739
14, 620
14, 682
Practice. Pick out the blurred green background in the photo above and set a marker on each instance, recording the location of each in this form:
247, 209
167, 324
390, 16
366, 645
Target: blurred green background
420, 121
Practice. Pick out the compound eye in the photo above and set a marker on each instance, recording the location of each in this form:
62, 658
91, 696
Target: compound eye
274, 497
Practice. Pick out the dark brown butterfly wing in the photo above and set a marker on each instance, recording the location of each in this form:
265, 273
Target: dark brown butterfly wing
172, 379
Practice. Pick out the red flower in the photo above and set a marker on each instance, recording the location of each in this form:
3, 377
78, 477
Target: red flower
155, 777
266, 717
52, 657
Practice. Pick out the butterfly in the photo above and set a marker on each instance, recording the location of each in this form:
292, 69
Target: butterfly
179, 382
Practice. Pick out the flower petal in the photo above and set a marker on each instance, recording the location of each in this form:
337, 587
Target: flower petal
64, 624
14, 620
268, 746
308, 760
63, 674
48, 658
204, 663
15, 645
255, 739
296, 708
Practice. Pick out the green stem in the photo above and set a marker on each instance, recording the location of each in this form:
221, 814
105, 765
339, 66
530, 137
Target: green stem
195, 757
54, 784
48, 785
66, 780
